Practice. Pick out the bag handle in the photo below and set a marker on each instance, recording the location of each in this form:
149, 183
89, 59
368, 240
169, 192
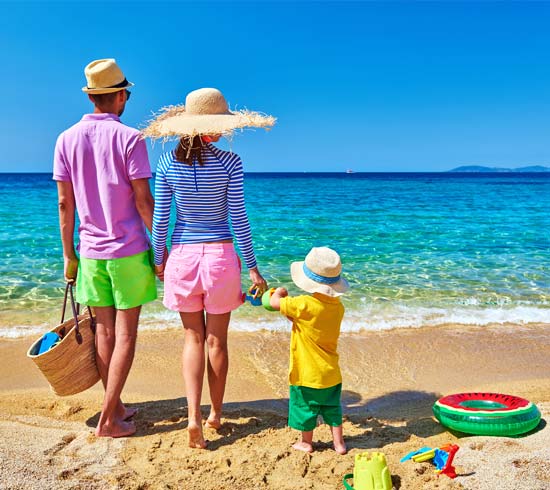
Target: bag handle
75, 307
346, 484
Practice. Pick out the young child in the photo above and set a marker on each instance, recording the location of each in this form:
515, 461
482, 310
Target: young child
314, 374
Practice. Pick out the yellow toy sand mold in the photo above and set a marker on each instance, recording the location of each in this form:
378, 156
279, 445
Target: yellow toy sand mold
369, 473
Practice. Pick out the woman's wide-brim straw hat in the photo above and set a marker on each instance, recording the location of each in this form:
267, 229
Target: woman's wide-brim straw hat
205, 112
104, 77
321, 272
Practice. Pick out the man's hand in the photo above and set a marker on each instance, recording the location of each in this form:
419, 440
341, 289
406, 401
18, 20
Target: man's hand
70, 269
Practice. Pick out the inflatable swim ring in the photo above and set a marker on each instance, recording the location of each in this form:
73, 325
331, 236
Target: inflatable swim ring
491, 414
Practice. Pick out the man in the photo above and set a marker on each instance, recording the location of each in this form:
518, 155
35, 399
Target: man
102, 172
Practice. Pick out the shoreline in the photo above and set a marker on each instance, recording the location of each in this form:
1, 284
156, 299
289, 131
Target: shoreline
391, 380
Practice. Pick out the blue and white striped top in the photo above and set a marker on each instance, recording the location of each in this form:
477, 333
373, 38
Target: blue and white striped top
206, 196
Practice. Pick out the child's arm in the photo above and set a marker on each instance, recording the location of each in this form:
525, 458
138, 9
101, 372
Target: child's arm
275, 300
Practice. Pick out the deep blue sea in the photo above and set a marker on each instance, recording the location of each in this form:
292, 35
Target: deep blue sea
418, 248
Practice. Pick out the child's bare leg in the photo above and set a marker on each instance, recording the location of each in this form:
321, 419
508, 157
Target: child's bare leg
338, 439
306, 444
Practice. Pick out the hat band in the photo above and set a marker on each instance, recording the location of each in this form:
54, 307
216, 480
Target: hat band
118, 85
318, 278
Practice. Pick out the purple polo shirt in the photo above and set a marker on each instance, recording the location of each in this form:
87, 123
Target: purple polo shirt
100, 156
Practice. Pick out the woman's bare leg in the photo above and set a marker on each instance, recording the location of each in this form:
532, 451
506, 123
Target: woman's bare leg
193, 361
218, 363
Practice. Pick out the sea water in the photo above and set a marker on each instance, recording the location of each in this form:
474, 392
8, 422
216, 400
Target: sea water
417, 248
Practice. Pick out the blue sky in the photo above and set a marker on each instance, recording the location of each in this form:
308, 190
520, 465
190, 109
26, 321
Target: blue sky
370, 86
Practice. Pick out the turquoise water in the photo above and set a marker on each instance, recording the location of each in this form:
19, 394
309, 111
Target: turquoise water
418, 249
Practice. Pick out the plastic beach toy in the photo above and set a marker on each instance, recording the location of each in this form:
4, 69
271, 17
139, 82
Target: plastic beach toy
48, 341
369, 473
253, 296
442, 458
266, 297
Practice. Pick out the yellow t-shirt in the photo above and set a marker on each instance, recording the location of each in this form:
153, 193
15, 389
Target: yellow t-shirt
315, 329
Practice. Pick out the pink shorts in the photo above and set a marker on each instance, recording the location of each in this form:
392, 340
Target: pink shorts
203, 276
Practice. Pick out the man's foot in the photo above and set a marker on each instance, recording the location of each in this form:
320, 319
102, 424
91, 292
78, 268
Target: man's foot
213, 423
195, 437
117, 429
303, 446
340, 448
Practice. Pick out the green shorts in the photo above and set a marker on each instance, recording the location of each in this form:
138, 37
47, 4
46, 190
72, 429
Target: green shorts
306, 404
123, 283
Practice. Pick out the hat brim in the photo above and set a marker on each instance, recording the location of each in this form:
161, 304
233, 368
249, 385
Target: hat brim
311, 286
175, 122
99, 91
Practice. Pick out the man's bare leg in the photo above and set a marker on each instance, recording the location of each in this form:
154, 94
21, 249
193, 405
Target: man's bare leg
122, 337
105, 343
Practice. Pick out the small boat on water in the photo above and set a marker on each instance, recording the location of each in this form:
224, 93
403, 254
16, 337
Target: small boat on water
349, 171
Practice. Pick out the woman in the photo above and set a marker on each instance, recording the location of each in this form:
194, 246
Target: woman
202, 273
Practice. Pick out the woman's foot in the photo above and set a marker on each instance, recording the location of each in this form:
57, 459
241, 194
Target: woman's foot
213, 423
303, 446
125, 413
129, 413
116, 429
195, 437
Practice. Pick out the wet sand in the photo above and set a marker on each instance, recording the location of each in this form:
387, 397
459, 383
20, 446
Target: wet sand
391, 380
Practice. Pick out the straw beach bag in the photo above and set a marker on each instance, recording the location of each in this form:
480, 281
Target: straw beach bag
70, 365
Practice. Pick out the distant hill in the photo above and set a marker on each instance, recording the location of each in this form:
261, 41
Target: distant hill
478, 168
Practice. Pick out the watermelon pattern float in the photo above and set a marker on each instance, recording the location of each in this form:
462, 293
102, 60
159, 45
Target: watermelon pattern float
491, 414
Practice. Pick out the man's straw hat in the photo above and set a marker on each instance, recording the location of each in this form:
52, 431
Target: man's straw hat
320, 273
104, 77
205, 112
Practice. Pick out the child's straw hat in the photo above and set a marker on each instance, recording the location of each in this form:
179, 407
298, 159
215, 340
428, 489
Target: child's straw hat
205, 112
104, 77
320, 273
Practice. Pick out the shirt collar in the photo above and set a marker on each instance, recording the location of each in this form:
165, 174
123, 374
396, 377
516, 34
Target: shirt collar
326, 299
104, 116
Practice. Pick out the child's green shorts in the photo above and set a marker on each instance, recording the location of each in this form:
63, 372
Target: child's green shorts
306, 404
123, 283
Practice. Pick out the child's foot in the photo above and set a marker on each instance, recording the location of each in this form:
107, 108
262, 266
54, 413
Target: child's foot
213, 423
303, 446
340, 448
117, 429
195, 437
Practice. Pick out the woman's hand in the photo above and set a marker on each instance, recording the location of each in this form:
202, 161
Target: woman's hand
258, 282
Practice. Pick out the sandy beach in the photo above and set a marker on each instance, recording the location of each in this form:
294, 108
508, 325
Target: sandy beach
391, 380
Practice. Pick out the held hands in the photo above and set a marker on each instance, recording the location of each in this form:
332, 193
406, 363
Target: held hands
159, 269
159, 272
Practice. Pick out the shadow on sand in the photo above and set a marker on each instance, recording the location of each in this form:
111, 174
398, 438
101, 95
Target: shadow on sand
393, 417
